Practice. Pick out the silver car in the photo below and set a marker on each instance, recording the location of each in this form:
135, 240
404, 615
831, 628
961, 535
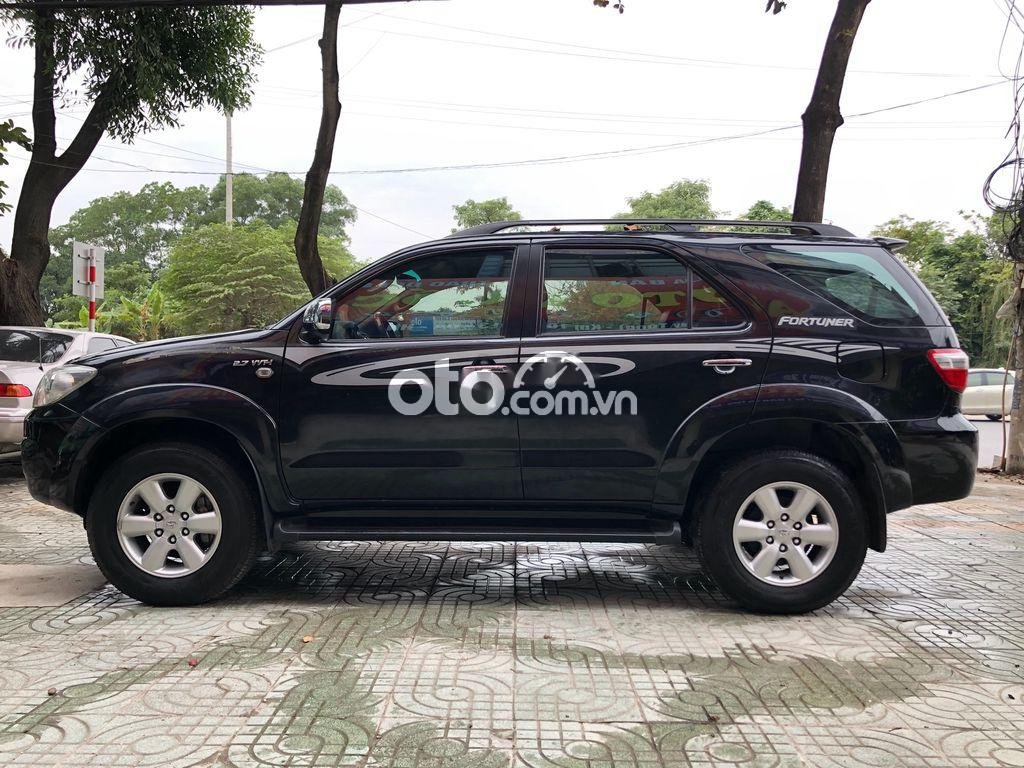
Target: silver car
25, 354
989, 393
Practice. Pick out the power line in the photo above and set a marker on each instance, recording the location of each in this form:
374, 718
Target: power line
641, 58
556, 114
607, 154
653, 58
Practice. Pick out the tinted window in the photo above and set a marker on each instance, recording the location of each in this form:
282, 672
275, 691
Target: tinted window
710, 309
450, 294
866, 281
34, 346
100, 345
614, 290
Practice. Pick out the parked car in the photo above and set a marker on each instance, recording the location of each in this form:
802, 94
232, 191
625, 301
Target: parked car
25, 354
768, 392
989, 393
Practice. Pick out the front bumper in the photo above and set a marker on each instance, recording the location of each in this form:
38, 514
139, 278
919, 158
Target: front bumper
941, 457
50, 452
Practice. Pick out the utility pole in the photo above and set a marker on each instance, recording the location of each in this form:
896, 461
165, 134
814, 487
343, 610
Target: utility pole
229, 191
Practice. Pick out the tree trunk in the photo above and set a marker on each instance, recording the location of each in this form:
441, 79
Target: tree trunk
47, 175
823, 118
306, 250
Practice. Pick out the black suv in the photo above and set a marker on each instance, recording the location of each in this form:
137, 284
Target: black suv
768, 392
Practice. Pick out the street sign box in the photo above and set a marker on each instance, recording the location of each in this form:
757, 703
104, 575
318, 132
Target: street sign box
81, 272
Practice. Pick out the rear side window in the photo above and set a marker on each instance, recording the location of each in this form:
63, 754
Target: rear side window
100, 344
977, 379
615, 289
33, 346
866, 281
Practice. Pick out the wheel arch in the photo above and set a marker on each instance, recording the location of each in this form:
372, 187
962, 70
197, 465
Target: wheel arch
849, 446
201, 415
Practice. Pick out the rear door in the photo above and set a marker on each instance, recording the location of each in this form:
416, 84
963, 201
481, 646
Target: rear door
376, 410
625, 340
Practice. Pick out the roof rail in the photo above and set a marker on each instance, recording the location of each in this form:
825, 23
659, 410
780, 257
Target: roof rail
673, 225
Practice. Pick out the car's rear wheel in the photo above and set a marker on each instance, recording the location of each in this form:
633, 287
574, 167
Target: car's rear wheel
781, 532
994, 416
173, 524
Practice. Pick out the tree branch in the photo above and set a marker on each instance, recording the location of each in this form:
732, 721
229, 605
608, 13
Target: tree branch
81, 147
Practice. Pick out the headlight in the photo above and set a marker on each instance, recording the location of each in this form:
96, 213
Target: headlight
58, 382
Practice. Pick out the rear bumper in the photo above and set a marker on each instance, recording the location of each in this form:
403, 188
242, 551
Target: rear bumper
12, 428
941, 457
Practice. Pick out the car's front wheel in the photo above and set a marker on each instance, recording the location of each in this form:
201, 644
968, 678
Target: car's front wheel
173, 524
994, 416
781, 532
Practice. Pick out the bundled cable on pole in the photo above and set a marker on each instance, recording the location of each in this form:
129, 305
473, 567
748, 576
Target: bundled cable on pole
1008, 208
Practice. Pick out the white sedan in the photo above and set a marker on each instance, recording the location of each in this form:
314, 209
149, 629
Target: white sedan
25, 354
985, 394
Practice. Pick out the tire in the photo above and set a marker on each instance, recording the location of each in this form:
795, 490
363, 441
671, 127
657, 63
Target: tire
729, 498
994, 416
117, 511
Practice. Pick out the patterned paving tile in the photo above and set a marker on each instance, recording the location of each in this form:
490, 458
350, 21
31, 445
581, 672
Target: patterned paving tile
496, 654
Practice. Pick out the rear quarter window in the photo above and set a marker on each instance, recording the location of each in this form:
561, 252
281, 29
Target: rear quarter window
868, 282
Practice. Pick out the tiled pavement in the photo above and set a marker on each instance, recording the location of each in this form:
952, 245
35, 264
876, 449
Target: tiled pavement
554, 656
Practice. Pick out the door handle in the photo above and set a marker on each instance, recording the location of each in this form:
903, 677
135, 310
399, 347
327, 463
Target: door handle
727, 365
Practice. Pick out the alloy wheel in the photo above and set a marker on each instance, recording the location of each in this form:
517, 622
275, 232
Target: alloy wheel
169, 525
785, 534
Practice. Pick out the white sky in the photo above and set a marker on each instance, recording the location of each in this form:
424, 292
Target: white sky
419, 93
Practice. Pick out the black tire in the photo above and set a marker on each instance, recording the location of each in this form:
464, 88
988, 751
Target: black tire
994, 416
240, 529
720, 502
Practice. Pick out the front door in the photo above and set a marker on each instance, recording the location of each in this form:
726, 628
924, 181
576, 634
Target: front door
377, 408
617, 353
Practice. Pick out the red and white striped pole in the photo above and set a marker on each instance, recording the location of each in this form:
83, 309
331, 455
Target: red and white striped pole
91, 280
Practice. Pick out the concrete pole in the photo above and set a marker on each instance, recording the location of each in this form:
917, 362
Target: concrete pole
1015, 443
229, 191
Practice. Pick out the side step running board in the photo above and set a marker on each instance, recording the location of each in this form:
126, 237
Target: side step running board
340, 528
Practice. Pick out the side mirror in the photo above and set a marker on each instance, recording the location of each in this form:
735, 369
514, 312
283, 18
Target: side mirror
316, 322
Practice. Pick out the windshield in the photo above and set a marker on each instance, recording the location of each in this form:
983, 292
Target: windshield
24, 346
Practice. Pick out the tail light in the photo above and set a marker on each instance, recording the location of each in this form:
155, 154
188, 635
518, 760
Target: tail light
15, 390
951, 365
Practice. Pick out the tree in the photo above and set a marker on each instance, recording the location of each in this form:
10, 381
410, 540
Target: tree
822, 117
143, 320
686, 199
140, 67
221, 278
277, 199
136, 228
921, 236
471, 213
10, 134
127, 279
765, 210
966, 276
311, 265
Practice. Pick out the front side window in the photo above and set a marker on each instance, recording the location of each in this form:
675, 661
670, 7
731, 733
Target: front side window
977, 379
461, 293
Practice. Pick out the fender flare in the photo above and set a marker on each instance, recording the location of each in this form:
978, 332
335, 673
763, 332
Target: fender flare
230, 412
788, 414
